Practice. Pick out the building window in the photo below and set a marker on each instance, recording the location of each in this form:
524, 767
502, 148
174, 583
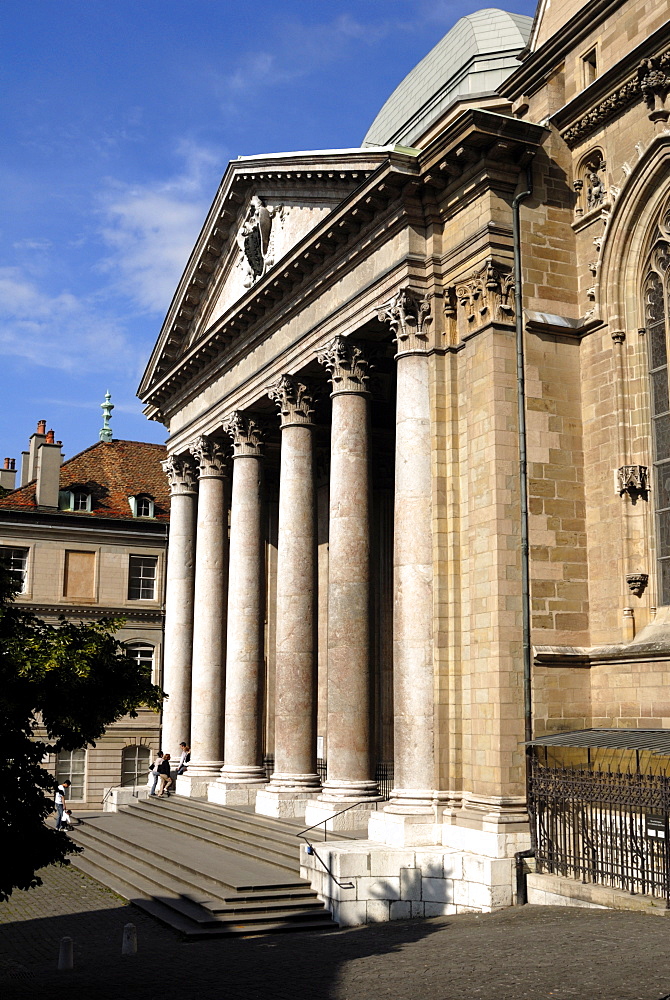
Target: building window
142, 578
655, 292
75, 500
142, 505
71, 766
16, 561
135, 765
143, 654
589, 67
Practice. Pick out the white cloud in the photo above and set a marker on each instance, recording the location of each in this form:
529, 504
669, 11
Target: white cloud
151, 228
59, 331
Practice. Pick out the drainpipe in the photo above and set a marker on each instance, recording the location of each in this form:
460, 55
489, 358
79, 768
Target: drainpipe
523, 485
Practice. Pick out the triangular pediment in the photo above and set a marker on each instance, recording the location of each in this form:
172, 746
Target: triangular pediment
264, 208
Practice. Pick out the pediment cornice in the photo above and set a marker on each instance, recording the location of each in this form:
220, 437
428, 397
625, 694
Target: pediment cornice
337, 171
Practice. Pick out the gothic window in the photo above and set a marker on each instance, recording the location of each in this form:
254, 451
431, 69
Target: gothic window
655, 303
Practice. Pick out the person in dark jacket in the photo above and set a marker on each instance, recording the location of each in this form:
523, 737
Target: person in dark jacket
164, 775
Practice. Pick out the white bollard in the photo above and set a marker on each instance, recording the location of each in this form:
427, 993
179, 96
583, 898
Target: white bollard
129, 944
65, 954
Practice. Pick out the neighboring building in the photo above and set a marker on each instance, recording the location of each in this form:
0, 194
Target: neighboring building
372, 587
87, 539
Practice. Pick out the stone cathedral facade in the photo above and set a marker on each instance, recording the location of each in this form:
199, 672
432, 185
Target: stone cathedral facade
337, 373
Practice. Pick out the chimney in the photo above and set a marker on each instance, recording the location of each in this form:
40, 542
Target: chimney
48, 472
8, 475
35, 441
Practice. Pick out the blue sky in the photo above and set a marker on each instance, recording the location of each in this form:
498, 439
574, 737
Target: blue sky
118, 119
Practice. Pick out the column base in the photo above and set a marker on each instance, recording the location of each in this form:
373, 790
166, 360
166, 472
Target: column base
405, 829
282, 803
231, 793
324, 811
193, 786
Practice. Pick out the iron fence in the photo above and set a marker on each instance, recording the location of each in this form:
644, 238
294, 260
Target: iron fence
604, 827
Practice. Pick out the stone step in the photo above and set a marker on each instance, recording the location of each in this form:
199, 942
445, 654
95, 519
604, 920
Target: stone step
198, 889
231, 832
156, 872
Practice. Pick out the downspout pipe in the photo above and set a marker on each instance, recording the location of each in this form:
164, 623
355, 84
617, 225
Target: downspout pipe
523, 482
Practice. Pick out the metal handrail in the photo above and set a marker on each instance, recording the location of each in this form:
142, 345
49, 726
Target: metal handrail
310, 846
361, 802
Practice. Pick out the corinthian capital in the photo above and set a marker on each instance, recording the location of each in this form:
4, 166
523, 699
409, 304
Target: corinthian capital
210, 456
347, 364
181, 473
246, 434
409, 315
295, 402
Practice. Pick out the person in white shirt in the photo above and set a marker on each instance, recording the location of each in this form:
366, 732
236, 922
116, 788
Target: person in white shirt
66, 820
184, 758
59, 802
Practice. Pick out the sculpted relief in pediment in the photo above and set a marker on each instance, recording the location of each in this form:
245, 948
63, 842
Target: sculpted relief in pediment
256, 239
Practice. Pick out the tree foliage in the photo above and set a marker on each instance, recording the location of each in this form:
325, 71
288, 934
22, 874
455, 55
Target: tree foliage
72, 680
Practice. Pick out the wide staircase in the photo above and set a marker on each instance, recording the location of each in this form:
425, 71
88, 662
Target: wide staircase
205, 870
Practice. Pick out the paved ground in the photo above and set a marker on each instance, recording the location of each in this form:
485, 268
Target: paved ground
530, 952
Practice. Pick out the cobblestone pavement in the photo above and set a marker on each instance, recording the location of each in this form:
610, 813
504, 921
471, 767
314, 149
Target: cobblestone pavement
529, 952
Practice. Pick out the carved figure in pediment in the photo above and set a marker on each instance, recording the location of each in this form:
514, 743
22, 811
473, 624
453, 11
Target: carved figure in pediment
255, 240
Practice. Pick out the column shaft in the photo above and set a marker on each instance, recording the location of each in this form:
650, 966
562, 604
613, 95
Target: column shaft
179, 601
413, 590
209, 650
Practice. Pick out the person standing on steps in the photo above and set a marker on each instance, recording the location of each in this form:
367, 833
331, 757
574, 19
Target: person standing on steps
164, 775
155, 774
184, 759
59, 802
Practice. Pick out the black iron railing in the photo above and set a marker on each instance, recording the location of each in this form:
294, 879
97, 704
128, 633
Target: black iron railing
610, 828
383, 773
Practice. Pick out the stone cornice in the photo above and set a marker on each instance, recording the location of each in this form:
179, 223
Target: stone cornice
610, 94
131, 615
341, 170
537, 67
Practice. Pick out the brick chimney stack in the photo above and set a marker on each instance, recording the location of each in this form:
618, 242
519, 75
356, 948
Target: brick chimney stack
29, 458
8, 475
49, 460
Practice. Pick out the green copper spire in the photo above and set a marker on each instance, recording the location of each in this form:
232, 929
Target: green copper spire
106, 407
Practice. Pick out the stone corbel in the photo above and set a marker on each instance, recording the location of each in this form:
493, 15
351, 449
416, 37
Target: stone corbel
246, 434
487, 296
637, 583
654, 77
409, 315
632, 479
181, 474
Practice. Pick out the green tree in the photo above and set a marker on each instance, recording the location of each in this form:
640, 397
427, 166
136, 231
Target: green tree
74, 680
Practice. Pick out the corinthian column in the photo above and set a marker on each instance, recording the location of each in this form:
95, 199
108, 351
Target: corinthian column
242, 773
180, 578
294, 779
209, 622
350, 776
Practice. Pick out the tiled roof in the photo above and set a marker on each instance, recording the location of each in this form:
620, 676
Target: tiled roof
111, 472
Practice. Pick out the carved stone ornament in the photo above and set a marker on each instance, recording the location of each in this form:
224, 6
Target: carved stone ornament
651, 82
347, 364
487, 296
654, 77
181, 473
295, 402
208, 452
256, 240
246, 434
637, 583
618, 336
409, 315
632, 479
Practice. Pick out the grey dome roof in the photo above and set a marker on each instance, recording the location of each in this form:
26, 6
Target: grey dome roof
473, 58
